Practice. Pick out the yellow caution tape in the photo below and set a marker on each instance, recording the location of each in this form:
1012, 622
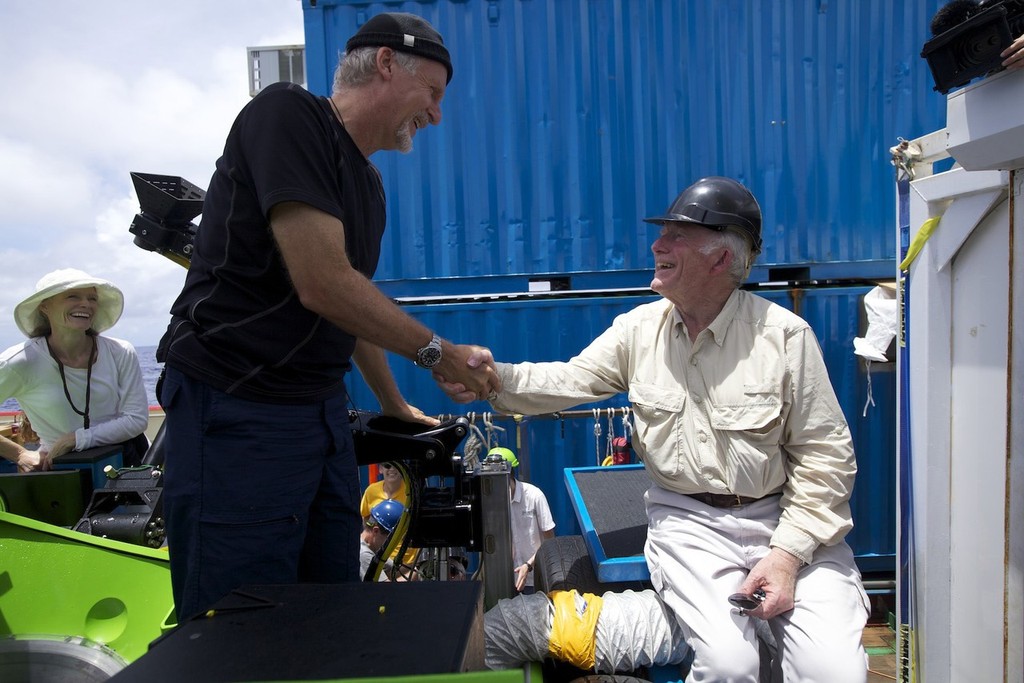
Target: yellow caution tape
573, 629
905, 669
916, 244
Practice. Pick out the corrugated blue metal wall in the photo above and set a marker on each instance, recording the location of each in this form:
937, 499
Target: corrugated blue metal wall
568, 120
556, 329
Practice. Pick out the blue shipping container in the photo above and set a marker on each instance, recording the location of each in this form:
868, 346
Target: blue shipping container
569, 120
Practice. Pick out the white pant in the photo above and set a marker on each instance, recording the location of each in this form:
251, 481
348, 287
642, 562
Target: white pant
699, 555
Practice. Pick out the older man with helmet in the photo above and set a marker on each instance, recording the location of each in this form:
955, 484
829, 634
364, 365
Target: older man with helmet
749, 452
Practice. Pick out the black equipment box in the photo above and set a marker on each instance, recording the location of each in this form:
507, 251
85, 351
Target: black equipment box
314, 632
55, 497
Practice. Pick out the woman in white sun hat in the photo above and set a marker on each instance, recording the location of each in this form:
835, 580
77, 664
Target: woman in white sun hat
79, 390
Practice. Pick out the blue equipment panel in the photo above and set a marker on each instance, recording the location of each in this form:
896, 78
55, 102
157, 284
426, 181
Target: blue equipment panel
610, 509
93, 460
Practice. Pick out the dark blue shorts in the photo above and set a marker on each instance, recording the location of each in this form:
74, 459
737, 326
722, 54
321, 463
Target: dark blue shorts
255, 493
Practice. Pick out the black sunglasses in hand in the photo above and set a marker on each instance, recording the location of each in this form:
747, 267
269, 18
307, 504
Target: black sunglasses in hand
747, 602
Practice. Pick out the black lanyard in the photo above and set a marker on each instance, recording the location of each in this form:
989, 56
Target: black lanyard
88, 381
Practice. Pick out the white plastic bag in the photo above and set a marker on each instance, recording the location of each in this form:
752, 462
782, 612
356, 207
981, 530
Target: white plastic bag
880, 307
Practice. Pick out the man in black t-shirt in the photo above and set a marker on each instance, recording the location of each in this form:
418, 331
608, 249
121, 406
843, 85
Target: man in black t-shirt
261, 483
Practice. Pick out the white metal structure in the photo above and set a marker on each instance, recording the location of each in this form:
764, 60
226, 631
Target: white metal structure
275, 63
965, 357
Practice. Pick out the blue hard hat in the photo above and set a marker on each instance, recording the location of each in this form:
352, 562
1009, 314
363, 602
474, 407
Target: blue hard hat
387, 513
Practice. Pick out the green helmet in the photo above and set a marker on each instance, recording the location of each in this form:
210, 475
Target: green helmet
505, 454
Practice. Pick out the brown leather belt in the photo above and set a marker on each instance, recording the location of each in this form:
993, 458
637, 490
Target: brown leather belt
723, 500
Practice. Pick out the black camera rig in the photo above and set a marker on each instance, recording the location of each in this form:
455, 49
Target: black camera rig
168, 203
968, 37
452, 502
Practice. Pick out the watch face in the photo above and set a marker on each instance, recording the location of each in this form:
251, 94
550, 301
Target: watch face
429, 356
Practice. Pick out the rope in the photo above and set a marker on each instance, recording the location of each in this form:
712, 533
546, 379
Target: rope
491, 429
871, 400
609, 451
474, 442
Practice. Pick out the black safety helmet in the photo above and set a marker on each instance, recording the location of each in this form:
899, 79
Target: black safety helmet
716, 202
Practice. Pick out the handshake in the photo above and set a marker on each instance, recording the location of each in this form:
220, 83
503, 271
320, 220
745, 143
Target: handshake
468, 375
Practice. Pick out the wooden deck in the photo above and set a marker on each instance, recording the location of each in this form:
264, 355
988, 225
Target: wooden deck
880, 643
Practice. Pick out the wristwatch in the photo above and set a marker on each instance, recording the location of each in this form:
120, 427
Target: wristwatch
429, 355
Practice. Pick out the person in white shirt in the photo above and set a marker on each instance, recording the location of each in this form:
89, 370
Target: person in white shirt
532, 523
746, 444
79, 389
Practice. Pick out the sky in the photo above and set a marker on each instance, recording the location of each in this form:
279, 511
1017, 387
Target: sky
93, 91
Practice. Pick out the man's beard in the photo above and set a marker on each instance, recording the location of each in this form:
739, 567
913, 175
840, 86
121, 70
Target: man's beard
403, 137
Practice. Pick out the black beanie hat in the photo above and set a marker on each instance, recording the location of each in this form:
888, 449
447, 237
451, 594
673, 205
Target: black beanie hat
403, 32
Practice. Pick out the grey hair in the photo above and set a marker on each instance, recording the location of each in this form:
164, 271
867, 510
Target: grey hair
357, 67
738, 244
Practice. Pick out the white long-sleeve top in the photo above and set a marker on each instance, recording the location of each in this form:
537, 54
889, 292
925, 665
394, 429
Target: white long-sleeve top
118, 408
747, 408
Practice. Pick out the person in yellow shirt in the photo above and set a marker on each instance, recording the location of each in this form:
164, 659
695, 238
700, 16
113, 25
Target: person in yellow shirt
384, 517
390, 487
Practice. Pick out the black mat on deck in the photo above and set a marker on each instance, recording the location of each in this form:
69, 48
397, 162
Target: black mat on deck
614, 499
310, 632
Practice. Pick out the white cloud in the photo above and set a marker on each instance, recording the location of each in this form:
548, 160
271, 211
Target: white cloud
93, 91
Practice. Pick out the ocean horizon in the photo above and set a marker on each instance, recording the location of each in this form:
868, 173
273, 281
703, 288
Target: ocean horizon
150, 373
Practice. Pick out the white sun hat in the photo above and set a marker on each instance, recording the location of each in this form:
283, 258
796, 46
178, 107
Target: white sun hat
111, 300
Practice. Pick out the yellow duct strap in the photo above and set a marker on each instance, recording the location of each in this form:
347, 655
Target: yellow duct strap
574, 626
916, 244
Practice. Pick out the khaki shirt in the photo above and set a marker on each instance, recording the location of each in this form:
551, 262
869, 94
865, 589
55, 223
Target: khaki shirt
747, 408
